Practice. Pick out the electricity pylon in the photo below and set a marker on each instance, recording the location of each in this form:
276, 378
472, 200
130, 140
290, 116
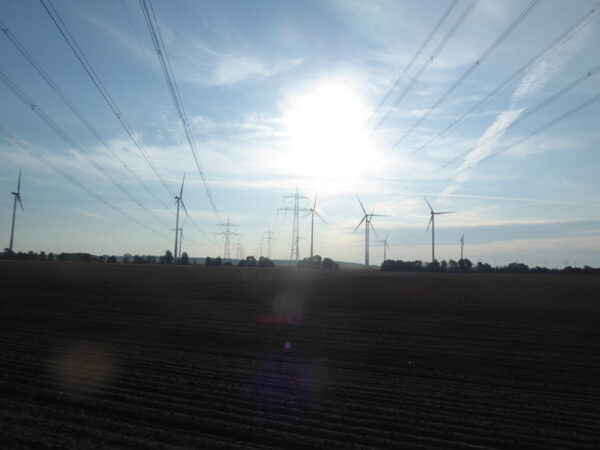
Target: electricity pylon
227, 233
295, 252
269, 237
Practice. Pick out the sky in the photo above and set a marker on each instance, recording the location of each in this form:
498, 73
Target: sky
488, 109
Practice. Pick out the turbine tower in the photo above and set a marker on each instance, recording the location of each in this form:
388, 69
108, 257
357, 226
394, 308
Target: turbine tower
295, 252
367, 220
312, 211
462, 246
16, 199
180, 241
178, 200
227, 233
432, 223
385, 246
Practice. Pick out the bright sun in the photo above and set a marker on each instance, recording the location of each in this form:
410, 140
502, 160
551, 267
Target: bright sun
327, 133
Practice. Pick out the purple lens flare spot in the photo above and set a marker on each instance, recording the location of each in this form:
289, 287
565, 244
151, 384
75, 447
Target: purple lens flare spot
287, 345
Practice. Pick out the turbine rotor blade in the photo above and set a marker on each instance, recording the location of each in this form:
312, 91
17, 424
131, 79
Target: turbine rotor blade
445, 212
21, 204
319, 216
361, 205
429, 224
19, 183
182, 181
359, 223
315, 203
428, 204
373, 228
183, 204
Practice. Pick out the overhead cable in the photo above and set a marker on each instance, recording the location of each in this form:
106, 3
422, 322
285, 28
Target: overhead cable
69, 140
568, 34
414, 58
586, 76
12, 38
40, 157
165, 64
553, 122
488, 51
72, 43
449, 34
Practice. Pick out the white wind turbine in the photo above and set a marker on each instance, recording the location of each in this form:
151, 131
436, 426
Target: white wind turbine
367, 220
16, 199
312, 211
385, 246
432, 223
178, 200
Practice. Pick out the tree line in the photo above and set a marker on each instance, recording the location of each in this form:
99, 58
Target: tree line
466, 266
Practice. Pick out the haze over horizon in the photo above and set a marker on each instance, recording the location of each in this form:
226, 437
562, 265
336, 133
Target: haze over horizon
280, 95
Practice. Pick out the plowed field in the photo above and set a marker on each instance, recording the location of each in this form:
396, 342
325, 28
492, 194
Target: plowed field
100, 355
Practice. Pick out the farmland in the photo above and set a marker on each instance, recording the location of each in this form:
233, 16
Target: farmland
151, 356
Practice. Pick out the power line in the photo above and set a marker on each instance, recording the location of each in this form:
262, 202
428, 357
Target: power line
163, 57
65, 136
553, 122
40, 157
449, 34
546, 52
414, 58
488, 51
12, 38
70, 40
586, 76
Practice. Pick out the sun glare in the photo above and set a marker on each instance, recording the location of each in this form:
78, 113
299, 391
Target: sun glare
327, 133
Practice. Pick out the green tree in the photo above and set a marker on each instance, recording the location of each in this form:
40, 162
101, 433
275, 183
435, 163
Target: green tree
185, 259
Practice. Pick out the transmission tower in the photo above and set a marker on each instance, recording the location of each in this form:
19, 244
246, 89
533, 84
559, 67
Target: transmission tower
227, 233
269, 237
239, 249
295, 252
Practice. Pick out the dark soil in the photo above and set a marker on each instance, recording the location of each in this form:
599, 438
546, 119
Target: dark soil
119, 355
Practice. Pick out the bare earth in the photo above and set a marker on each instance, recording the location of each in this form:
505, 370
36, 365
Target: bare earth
101, 355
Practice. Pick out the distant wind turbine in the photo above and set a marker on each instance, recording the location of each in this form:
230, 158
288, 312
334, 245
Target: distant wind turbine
432, 223
178, 200
312, 211
16, 199
385, 247
367, 220
462, 246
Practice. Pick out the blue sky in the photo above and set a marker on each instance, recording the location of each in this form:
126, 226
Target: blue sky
281, 94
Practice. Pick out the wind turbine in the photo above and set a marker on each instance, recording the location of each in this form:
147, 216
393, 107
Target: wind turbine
385, 246
432, 223
16, 199
312, 211
178, 200
367, 220
462, 246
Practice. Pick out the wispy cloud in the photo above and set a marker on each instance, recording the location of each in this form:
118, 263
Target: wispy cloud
224, 62
91, 214
532, 82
